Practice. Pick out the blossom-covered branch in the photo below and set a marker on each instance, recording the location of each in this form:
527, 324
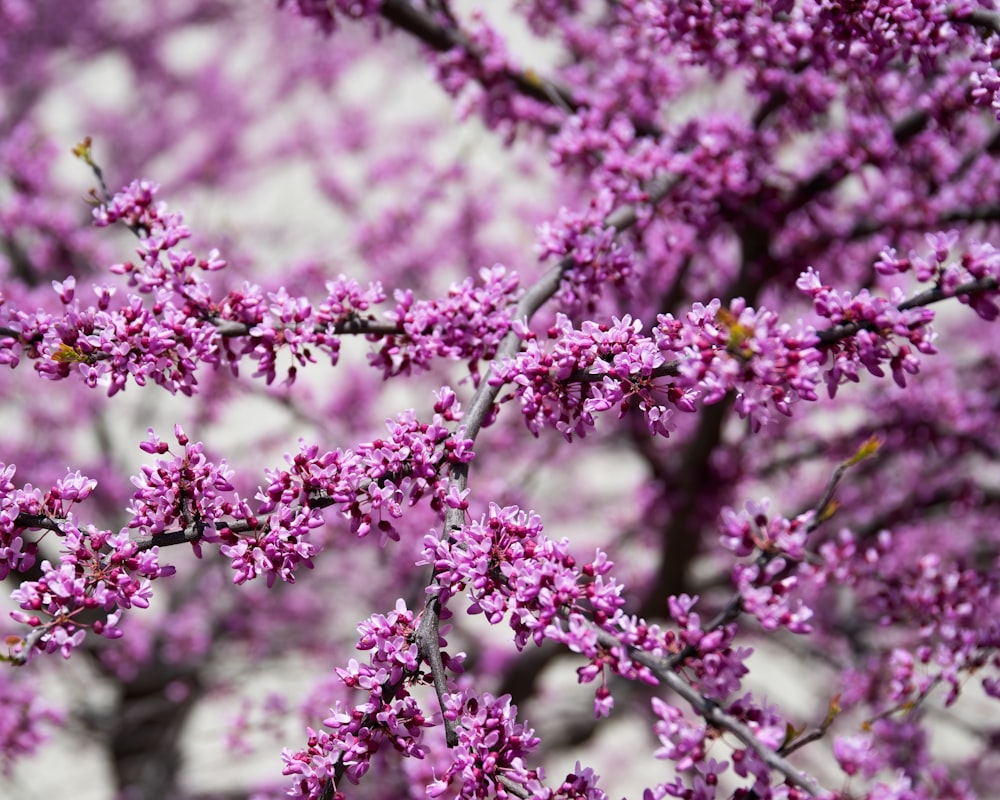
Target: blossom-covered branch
676, 266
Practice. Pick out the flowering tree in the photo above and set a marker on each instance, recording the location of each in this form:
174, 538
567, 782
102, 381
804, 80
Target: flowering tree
716, 370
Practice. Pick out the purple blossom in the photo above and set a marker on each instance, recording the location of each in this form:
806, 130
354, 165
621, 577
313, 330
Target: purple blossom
468, 325
675, 153
492, 743
388, 717
680, 741
24, 718
188, 489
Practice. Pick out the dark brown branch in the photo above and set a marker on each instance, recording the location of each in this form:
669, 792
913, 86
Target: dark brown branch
38, 521
364, 327
940, 501
982, 213
442, 38
830, 175
981, 18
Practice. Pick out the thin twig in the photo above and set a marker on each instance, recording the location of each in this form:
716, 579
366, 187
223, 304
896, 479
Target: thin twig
926, 298
711, 712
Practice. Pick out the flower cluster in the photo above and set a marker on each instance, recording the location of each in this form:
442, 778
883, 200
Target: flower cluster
875, 323
756, 528
108, 343
511, 570
194, 493
687, 743
593, 256
468, 325
98, 571
580, 784
767, 592
543, 375
767, 585
492, 745
987, 89
403, 468
24, 716
771, 729
704, 777
681, 741
17, 504
274, 550
977, 266
370, 486
188, 489
166, 340
957, 607
709, 655
767, 364
266, 323
117, 339
163, 265
713, 351
389, 716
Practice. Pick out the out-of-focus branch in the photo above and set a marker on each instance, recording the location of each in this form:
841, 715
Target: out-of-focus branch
981, 18
831, 174
442, 38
